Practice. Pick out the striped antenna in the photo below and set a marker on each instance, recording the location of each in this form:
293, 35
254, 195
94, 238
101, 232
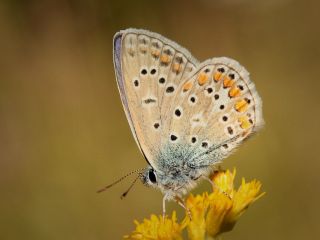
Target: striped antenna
120, 179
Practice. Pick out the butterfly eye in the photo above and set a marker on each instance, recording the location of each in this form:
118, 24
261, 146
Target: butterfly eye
152, 176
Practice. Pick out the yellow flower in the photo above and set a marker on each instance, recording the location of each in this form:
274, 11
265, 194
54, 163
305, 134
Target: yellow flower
211, 214
197, 206
158, 228
228, 204
244, 196
219, 207
223, 181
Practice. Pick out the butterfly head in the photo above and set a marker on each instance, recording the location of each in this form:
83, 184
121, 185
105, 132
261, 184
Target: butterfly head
149, 177
156, 179
170, 181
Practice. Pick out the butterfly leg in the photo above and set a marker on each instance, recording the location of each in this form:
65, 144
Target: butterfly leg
182, 204
215, 186
164, 207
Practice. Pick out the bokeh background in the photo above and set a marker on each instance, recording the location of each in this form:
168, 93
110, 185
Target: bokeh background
63, 132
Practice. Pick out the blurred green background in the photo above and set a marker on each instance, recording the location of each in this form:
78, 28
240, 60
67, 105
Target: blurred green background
63, 132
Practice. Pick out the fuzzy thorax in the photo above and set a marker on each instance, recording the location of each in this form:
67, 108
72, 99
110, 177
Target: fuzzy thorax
178, 171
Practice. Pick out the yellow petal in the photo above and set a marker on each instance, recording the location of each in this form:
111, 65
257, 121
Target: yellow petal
223, 181
197, 225
158, 228
219, 206
246, 195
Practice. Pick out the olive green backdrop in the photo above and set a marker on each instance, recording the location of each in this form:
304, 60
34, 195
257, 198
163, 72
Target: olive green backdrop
63, 133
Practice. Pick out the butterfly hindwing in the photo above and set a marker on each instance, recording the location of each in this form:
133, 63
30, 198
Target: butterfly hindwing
214, 110
149, 70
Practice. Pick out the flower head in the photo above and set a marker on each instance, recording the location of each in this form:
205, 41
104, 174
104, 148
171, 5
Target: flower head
246, 194
219, 206
158, 228
211, 213
197, 205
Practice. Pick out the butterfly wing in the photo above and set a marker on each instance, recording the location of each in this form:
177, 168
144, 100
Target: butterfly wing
149, 68
213, 111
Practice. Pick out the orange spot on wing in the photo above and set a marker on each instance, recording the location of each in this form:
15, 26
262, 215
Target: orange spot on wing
227, 82
143, 49
165, 58
217, 76
187, 86
177, 67
131, 51
234, 92
241, 105
155, 53
202, 78
244, 122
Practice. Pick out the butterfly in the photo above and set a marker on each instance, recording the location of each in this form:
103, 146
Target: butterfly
185, 116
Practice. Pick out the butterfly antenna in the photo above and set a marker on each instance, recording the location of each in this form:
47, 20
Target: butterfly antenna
126, 192
120, 179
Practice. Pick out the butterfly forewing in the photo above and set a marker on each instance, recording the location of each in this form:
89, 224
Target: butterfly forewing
149, 70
